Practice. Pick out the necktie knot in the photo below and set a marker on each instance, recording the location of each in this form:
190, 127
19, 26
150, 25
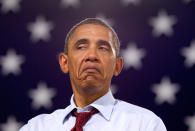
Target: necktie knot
82, 118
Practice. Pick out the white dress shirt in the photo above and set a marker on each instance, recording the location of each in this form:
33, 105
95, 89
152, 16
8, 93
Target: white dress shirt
114, 115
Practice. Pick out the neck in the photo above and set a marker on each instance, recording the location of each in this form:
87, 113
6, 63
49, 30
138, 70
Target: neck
82, 99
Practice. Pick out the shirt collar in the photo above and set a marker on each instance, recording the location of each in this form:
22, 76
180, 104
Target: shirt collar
104, 105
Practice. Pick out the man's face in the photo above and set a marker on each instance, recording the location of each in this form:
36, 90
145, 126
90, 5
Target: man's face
91, 58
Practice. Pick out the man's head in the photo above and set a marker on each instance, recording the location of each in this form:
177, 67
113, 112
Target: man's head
91, 57
94, 21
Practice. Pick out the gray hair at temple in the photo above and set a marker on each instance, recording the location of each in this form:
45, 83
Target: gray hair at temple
95, 21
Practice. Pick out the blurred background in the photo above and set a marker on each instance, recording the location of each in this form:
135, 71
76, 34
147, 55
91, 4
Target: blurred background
157, 43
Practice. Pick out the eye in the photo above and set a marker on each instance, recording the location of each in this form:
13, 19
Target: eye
80, 47
103, 48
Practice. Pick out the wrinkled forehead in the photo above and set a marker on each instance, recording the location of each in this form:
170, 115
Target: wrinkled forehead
92, 29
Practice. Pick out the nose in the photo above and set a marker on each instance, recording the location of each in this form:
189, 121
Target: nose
92, 55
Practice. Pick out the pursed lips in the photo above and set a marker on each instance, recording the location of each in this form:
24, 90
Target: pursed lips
91, 69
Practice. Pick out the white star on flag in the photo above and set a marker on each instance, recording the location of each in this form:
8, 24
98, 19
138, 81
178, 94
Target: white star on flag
165, 91
10, 5
189, 54
105, 19
11, 63
162, 24
42, 96
132, 56
114, 89
40, 29
127, 2
70, 3
11, 125
190, 121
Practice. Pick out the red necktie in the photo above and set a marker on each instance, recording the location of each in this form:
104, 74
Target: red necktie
82, 118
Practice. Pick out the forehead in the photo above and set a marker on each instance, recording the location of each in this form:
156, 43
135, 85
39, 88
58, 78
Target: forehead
93, 33
92, 30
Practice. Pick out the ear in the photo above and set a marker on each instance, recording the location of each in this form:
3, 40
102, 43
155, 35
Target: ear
119, 66
63, 61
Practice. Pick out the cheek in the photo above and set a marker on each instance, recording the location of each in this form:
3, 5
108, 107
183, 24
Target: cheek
110, 67
74, 63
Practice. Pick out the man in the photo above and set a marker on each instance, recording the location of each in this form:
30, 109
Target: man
92, 58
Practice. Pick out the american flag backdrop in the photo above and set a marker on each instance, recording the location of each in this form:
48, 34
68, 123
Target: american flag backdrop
157, 44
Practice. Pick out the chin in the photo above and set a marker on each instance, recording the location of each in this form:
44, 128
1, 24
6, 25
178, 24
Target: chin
91, 85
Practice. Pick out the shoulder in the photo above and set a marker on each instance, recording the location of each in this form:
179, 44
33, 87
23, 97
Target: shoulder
48, 117
142, 117
132, 110
44, 121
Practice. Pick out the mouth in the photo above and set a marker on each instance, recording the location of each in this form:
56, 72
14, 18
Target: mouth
91, 70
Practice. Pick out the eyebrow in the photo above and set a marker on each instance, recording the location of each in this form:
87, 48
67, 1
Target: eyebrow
99, 42
84, 40
103, 42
